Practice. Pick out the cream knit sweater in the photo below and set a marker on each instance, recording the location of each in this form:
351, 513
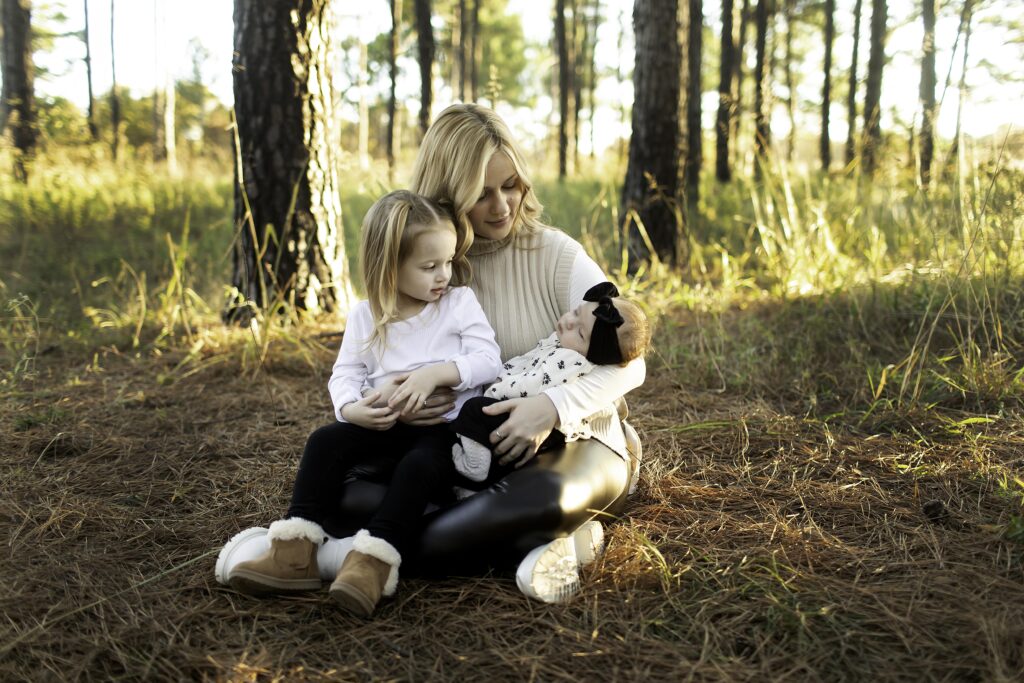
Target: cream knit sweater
524, 285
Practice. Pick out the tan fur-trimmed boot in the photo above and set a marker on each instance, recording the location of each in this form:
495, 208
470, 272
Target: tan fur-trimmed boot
369, 572
290, 564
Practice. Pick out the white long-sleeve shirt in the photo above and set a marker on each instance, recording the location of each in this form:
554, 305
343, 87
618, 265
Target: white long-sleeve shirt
453, 329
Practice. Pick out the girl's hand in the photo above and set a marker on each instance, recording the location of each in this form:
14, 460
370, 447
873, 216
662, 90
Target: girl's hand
363, 413
529, 422
432, 413
413, 393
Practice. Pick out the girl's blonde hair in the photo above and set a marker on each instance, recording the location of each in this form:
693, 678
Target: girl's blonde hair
389, 233
452, 162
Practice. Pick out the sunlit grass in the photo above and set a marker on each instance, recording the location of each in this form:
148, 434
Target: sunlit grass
826, 292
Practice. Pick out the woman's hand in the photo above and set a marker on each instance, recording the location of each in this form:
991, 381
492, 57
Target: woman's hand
529, 422
433, 411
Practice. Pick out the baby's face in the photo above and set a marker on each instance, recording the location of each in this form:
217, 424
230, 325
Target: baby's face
574, 327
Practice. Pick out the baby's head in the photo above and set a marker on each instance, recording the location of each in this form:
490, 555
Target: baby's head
606, 328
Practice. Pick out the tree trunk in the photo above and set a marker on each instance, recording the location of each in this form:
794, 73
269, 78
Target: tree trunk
825, 147
474, 58
650, 193
425, 36
94, 132
741, 44
578, 75
364, 106
595, 23
762, 78
561, 43
726, 104
851, 95
694, 153
290, 249
115, 101
958, 140
170, 144
927, 139
393, 130
459, 52
17, 101
790, 81
873, 93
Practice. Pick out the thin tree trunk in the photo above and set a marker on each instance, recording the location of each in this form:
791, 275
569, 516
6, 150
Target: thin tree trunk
762, 78
287, 211
393, 130
474, 51
726, 104
425, 35
115, 101
461, 92
694, 133
94, 132
170, 143
851, 95
578, 74
561, 44
927, 139
958, 140
364, 106
873, 93
17, 101
650, 193
595, 22
790, 82
825, 147
741, 68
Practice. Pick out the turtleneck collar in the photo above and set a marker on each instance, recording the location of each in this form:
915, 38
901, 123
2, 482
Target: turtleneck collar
481, 246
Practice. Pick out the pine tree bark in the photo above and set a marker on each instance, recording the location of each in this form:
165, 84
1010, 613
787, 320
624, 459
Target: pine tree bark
17, 100
762, 84
290, 249
474, 57
726, 104
650, 193
425, 43
562, 47
851, 95
790, 80
825, 146
873, 92
459, 47
694, 151
927, 138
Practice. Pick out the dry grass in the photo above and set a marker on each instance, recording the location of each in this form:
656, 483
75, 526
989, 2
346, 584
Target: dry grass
760, 546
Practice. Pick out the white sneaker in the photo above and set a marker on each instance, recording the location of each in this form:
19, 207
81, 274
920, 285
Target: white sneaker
244, 546
551, 572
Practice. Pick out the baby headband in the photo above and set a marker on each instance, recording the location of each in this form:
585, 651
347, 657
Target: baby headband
604, 338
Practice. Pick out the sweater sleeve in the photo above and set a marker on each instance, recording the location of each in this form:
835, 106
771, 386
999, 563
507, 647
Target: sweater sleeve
605, 383
479, 358
350, 371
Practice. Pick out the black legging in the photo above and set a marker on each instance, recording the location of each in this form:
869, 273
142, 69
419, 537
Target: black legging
555, 493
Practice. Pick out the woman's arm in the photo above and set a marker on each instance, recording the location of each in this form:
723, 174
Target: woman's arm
595, 390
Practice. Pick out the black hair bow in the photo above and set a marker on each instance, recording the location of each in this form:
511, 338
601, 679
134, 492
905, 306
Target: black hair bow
604, 338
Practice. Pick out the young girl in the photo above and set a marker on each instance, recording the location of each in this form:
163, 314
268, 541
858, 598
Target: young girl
603, 330
412, 335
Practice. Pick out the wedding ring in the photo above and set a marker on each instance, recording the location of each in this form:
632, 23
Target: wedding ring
499, 435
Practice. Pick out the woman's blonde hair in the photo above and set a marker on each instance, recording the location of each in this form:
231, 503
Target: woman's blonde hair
452, 162
389, 233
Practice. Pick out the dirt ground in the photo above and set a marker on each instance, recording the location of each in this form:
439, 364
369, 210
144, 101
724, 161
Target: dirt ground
761, 545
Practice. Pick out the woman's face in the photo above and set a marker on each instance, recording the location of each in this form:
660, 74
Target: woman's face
496, 209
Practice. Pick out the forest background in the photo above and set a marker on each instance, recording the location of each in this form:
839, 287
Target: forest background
819, 205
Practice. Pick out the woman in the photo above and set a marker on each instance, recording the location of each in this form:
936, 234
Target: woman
525, 275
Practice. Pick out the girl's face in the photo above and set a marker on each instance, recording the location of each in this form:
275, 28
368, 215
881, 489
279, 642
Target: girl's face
496, 209
425, 272
574, 327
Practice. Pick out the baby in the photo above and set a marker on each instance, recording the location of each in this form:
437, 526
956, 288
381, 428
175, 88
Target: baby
603, 330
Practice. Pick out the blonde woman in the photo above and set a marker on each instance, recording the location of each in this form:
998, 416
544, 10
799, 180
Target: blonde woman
526, 275
413, 334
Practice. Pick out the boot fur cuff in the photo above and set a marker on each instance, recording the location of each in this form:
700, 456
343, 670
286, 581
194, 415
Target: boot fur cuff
296, 527
383, 551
